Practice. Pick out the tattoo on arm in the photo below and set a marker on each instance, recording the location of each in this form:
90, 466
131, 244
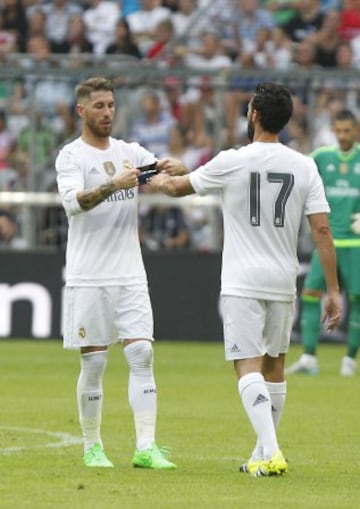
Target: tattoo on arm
89, 198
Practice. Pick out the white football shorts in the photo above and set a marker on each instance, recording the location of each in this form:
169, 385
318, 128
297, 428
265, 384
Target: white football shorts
101, 316
254, 327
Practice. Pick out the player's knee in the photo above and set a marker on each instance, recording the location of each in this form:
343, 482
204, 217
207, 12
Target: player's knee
139, 355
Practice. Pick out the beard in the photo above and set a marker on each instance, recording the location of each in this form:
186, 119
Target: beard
250, 130
101, 131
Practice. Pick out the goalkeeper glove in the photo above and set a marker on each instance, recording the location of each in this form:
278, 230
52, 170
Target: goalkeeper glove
355, 225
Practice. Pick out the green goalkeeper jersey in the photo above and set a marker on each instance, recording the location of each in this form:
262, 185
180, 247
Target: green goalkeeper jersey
340, 173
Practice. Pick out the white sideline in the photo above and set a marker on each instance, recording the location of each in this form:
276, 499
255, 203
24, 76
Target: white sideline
65, 439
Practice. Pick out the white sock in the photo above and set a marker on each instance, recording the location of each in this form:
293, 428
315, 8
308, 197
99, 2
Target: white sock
257, 403
277, 393
142, 391
90, 396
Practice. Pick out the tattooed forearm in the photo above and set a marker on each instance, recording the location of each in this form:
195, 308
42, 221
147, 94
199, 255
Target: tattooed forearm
89, 198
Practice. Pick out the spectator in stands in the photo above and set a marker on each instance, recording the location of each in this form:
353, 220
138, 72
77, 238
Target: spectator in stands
7, 144
101, 20
124, 43
37, 142
188, 22
309, 19
36, 23
152, 129
281, 50
184, 107
7, 227
143, 23
327, 106
350, 19
58, 14
8, 40
78, 42
208, 55
53, 93
164, 228
14, 20
161, 49
305, 55
298, 135
129, 6
327, 40
249, 18
179, 148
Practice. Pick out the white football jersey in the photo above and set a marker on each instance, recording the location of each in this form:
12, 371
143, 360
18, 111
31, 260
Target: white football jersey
265, 189
103, 245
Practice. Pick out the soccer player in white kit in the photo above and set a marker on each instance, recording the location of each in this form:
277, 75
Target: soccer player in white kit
265, 189
106, 295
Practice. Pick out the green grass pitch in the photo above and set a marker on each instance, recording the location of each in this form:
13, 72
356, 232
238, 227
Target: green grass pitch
200, 418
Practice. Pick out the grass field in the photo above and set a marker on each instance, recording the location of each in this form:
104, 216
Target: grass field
200, 418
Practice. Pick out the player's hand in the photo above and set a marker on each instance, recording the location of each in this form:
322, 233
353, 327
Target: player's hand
172, 167
157, 181
355, 225
332, 310
127, 179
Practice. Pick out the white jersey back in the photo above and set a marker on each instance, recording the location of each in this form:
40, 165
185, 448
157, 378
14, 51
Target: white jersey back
103, 245
265, 190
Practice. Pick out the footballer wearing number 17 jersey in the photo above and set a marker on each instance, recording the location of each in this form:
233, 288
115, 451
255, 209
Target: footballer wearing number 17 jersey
265, 190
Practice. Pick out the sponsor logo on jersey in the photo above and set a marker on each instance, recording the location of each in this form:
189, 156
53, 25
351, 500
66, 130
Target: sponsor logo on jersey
121, 195
109, 167
330, 167
127, 164
82, 332
344, 168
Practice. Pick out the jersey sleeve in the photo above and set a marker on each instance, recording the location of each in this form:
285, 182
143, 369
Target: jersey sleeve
215, 174
141, 156
69, 180
316, 201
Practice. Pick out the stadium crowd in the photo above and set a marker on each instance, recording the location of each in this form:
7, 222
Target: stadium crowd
49, 41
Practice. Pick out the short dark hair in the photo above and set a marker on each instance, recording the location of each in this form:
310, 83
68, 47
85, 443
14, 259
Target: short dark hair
95, 84
274, 103
346, 115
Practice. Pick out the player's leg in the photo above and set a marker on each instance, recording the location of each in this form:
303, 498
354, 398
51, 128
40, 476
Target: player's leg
277, 331
351, 276
86, 320
243, 326
314, 287
135, 326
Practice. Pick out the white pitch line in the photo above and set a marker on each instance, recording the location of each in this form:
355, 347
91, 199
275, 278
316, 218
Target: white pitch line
65, 439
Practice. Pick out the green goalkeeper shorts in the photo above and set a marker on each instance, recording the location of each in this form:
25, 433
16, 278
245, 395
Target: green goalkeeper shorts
348, 266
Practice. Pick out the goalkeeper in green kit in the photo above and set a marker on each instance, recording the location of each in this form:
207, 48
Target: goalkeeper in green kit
339, 167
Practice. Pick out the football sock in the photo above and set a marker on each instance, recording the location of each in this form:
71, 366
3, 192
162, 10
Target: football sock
257, 403
277, 393
142, 391
310, 323
354, 327
90, 396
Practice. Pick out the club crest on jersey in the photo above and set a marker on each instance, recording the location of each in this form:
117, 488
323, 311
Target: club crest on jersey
343, 168
127, 164
109, 168
82, 332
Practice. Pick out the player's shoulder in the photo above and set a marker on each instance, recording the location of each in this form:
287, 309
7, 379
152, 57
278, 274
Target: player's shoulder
70, 148
324, 151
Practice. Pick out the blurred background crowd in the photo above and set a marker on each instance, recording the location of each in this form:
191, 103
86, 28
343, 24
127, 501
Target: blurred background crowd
184, 72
